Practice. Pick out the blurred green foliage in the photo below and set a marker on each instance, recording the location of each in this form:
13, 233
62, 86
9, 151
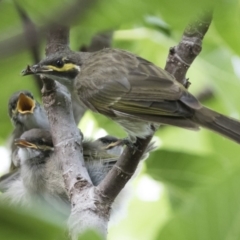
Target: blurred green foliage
199, 170
23, 224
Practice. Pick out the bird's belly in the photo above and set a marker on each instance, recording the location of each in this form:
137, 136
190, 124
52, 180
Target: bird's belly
136, 128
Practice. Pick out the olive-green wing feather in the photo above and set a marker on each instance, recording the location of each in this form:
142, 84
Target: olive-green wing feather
151, 83
144, 91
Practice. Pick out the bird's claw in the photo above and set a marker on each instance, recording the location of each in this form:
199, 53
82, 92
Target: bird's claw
114, 144
121, 142
130, 144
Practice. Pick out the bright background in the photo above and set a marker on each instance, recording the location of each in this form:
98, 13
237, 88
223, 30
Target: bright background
189, 187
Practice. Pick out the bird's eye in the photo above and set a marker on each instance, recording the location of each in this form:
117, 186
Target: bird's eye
13, 105
59, 63
41, 141
30, 95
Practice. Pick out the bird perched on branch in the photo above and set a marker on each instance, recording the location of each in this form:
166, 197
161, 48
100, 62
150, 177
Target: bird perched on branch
25, 113
132, 91
40, 176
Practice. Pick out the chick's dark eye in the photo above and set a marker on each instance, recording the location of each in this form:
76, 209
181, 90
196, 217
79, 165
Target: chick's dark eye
14, 104
30, 95
59, 63
41, 141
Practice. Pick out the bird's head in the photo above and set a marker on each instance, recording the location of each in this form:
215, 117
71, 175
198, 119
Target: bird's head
21, 103
35, 143
62, 67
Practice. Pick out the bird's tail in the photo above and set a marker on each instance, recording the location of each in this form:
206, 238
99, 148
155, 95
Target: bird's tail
226, 126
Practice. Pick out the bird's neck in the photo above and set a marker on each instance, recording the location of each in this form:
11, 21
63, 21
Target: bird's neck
36, 120
40, 120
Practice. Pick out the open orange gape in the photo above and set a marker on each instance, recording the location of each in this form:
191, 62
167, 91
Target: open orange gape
25, 104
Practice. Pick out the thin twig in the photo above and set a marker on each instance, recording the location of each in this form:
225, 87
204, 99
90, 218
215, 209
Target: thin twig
68, 15
33, 42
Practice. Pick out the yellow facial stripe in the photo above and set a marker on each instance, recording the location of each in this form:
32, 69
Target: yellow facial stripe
66, 67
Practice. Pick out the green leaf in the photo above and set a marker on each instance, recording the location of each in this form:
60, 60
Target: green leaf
185, 173
227, 19
90, 235
21, 224
184, 170
212, 214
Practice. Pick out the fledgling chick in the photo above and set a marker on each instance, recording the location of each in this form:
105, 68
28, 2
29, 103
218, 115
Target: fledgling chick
40, 173
25, 113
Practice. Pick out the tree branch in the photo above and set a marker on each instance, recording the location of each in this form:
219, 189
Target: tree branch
57, 39
89, 210
123, 170
182, 56
33, 42
65, 134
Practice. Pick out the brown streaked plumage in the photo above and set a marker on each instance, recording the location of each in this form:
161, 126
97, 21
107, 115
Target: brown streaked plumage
133, 92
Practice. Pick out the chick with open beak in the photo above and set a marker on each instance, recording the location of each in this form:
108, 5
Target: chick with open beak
25, 104
24, 110
25, 113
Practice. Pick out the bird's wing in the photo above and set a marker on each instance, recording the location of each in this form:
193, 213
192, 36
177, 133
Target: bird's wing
144, 91
101, 97
153, 84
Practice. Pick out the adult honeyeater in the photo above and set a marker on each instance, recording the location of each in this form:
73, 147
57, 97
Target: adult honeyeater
25, 113
40, 176
132, 91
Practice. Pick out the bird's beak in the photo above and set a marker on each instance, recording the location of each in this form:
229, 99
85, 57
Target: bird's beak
36, 69
25, 104
24, 144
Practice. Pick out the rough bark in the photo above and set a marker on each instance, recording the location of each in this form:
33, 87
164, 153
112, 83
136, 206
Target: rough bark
123, 170
88, 207
182, 56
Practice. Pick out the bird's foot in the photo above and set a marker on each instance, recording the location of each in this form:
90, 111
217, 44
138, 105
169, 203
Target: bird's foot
114, 144
126, 141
